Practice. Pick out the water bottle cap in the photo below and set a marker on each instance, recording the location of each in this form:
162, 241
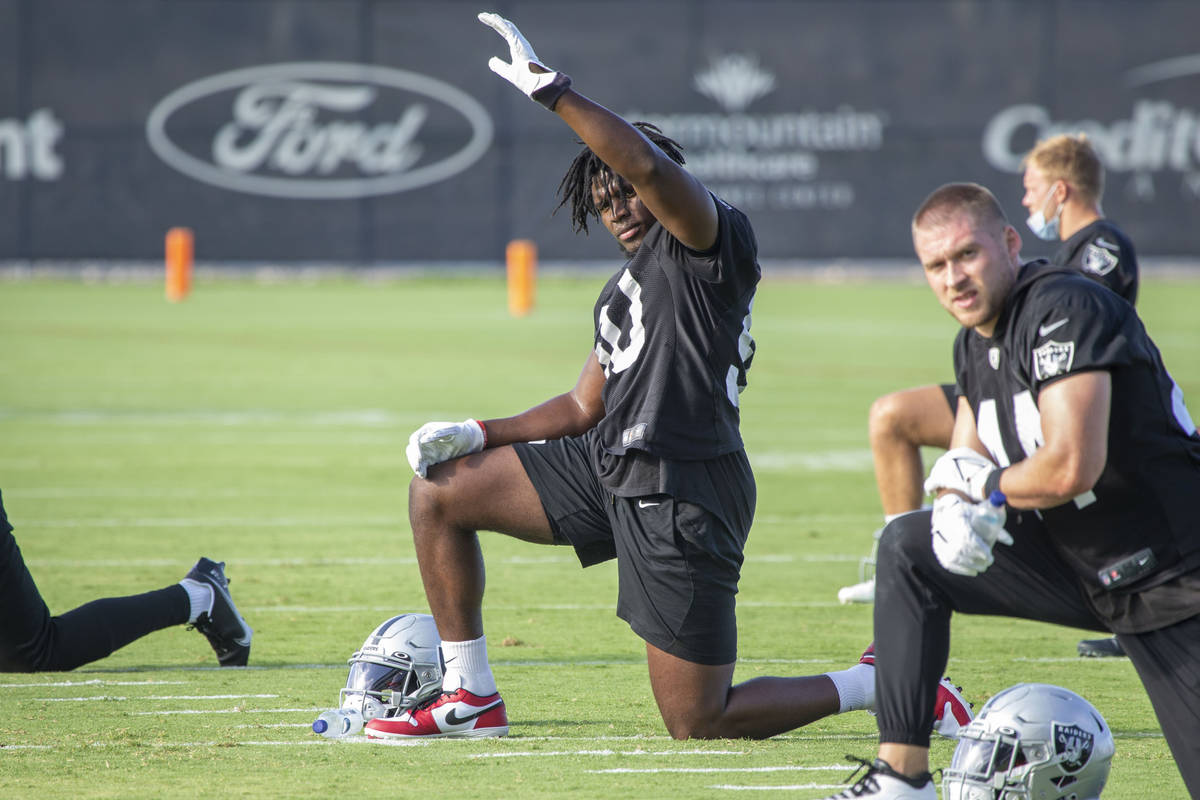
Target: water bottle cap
997, 498
320, 726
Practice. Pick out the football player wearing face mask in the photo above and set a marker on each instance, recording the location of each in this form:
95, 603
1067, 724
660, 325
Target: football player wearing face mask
1064, 178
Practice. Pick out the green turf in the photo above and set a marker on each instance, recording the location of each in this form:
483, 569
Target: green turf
264, 425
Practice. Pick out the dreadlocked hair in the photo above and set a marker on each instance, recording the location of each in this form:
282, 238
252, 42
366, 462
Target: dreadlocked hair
575, 189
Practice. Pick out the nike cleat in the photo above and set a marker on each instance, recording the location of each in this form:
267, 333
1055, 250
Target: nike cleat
952, 711
457, 714
868, 656
1101, 648
222, 624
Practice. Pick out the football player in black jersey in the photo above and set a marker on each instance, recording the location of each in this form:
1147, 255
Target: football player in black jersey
34, 640
641, 461
1064, 178
1066, 411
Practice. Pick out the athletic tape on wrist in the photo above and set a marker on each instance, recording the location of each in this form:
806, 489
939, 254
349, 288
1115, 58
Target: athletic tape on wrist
548, 95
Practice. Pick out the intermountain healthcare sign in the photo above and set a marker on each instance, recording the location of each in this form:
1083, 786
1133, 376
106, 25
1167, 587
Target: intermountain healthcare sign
364, 133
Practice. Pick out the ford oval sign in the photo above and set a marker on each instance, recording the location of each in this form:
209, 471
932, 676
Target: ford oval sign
319, 130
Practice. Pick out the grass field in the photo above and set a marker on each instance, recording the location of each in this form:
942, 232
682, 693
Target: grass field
265, 426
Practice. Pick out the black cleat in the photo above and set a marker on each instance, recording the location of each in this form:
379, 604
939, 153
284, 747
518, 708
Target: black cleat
1101, 648
223, 626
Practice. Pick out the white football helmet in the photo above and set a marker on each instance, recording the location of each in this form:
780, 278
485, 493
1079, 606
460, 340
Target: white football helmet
398, 667
1032, 741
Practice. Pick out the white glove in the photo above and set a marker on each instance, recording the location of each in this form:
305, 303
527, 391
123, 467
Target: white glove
964, 533
526, 72
963, 470
435, 442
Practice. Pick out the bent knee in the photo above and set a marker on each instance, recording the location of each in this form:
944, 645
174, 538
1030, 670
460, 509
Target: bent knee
889, 418
694, 726
905, 536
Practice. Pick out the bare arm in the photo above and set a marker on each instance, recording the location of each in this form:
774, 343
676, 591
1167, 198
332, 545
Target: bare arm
568, 414
679, 201
1075, 416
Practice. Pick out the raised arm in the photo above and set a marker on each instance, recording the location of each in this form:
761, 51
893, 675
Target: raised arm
679, 201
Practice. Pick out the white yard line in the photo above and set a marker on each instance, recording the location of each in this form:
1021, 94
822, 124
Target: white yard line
156, 697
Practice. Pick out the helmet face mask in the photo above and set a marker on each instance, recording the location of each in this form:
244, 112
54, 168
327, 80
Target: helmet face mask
1031, 742
397, 668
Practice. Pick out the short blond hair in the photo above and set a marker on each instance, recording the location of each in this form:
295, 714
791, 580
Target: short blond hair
1071, 158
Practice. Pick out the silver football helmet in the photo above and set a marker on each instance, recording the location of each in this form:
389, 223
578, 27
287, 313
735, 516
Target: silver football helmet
398, 667
1032, 741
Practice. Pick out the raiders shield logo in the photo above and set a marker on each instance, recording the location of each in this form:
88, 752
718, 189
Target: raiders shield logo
1099, 260
1074, 744
994, 357
1053, 358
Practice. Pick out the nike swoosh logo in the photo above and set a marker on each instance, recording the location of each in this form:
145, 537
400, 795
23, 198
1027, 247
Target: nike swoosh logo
1046, 330
452, 717
644, 504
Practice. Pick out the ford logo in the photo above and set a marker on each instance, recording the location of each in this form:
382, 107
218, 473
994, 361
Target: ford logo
319, 130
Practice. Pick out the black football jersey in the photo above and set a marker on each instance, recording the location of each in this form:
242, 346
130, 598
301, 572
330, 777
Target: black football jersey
673, 335
1103, 253
1056, 323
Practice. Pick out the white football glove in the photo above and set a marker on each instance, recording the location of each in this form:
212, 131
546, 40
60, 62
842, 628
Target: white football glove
526, 72
435, 442
963, 470
964, 533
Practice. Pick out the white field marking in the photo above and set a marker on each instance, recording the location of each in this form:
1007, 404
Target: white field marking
628, 770
276, 725
360, 417
219, 522
95, 682
837, 558
555, 753
855, 460
816, 519
4, 747
227, 711
156, 697
100, 563
790, 788
179, 492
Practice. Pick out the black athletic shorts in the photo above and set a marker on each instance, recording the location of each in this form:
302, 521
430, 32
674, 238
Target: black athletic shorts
677, 564
951, 392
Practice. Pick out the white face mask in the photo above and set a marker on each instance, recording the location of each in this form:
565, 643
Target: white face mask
1041, 227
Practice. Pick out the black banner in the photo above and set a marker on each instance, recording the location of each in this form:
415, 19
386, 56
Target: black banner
370, 132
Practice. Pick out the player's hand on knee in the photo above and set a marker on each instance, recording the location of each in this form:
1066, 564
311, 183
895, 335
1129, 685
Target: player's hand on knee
963, 470
963, 535
526, 72
435, 442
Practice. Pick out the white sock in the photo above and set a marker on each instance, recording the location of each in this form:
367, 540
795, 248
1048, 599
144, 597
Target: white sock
889, 517
200, 595
855, 687
467, 667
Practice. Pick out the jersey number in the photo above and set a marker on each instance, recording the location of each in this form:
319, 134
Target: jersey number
615, 358
1028, 422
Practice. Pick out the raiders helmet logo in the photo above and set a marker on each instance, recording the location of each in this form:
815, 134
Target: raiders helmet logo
1053, 358
1098, 259
1073, 744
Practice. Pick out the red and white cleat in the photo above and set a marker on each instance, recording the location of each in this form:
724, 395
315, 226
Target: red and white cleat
868, 656
457, 714
952, 710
